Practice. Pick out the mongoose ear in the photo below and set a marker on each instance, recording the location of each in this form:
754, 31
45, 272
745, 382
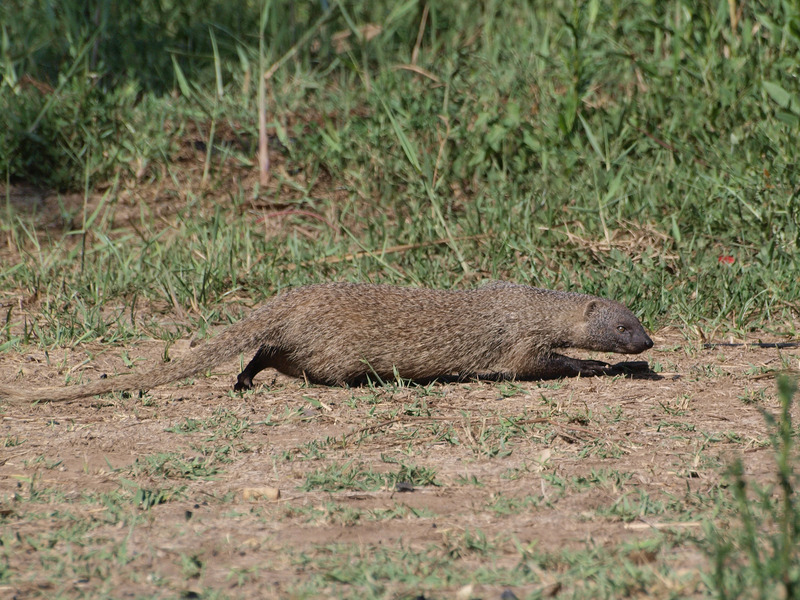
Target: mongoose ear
591, 306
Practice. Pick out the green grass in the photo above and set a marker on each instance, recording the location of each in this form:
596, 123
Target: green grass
222, 425
614, 147
356, 476
406, 572
758, 550
637, 150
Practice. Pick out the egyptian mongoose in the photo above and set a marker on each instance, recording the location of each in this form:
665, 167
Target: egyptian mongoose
343, 333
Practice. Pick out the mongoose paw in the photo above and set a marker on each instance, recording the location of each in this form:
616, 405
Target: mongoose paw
243, 383
589, 368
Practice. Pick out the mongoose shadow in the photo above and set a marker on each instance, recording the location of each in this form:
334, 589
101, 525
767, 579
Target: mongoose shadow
344, 333
634, 369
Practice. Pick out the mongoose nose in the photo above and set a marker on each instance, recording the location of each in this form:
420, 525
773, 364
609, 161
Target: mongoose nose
648, 342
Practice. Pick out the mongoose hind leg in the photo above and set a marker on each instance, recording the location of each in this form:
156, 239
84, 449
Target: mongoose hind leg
265, 357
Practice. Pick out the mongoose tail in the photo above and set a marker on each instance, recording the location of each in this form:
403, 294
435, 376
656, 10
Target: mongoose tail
212, 352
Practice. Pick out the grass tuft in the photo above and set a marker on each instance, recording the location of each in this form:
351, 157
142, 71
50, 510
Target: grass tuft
759, 553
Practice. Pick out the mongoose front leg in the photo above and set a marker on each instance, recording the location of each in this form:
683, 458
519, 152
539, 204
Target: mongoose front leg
262, 360
558, 365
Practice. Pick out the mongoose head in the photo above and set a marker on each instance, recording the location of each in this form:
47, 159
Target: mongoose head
608, 326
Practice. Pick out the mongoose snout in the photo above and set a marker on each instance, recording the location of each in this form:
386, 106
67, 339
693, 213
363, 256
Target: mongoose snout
614, 328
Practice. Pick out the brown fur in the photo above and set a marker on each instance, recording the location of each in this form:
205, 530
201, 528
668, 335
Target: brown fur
343, 333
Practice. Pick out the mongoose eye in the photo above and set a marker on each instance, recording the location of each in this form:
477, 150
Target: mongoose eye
621, 328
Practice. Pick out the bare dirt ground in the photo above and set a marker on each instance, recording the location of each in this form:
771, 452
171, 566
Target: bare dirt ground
570, 473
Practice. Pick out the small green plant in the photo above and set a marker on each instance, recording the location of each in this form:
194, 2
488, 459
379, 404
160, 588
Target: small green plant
11, 441
753, 396
759, 556
349, 476
355, 476
146, 498
512, 505
469, 480
223, 424
172, 465
470, 542
42, 461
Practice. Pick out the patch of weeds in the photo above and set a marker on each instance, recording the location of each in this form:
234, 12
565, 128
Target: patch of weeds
119, 506
220, 454
444, 431
469, 480
514, 473
550, 385
147, 399
715, 501
172, 465
418, 408
733, 436
189, 425
399, 511
630, 569
633, 505
315, 449
312, 450
32, 491
240, 576
554, 480
710, 438
369, 576
223, 424
491, 441
11, 441
468, 543
407, 473
191, 565
349, 476
509, 389
43, 462
146, 498
678, 407
687, 427
511, 505
614, 414
708, 371
608, 478
398, 571
289, 414
753, 396
341, 514
706, 461
599, 448
355, 476
373, 398
328, 513
755, 550
308, 513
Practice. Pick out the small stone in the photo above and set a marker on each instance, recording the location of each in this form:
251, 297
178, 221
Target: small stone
253, 494
465, 593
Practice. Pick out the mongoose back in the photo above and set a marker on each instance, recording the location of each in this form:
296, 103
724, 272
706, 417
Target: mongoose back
343, 333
